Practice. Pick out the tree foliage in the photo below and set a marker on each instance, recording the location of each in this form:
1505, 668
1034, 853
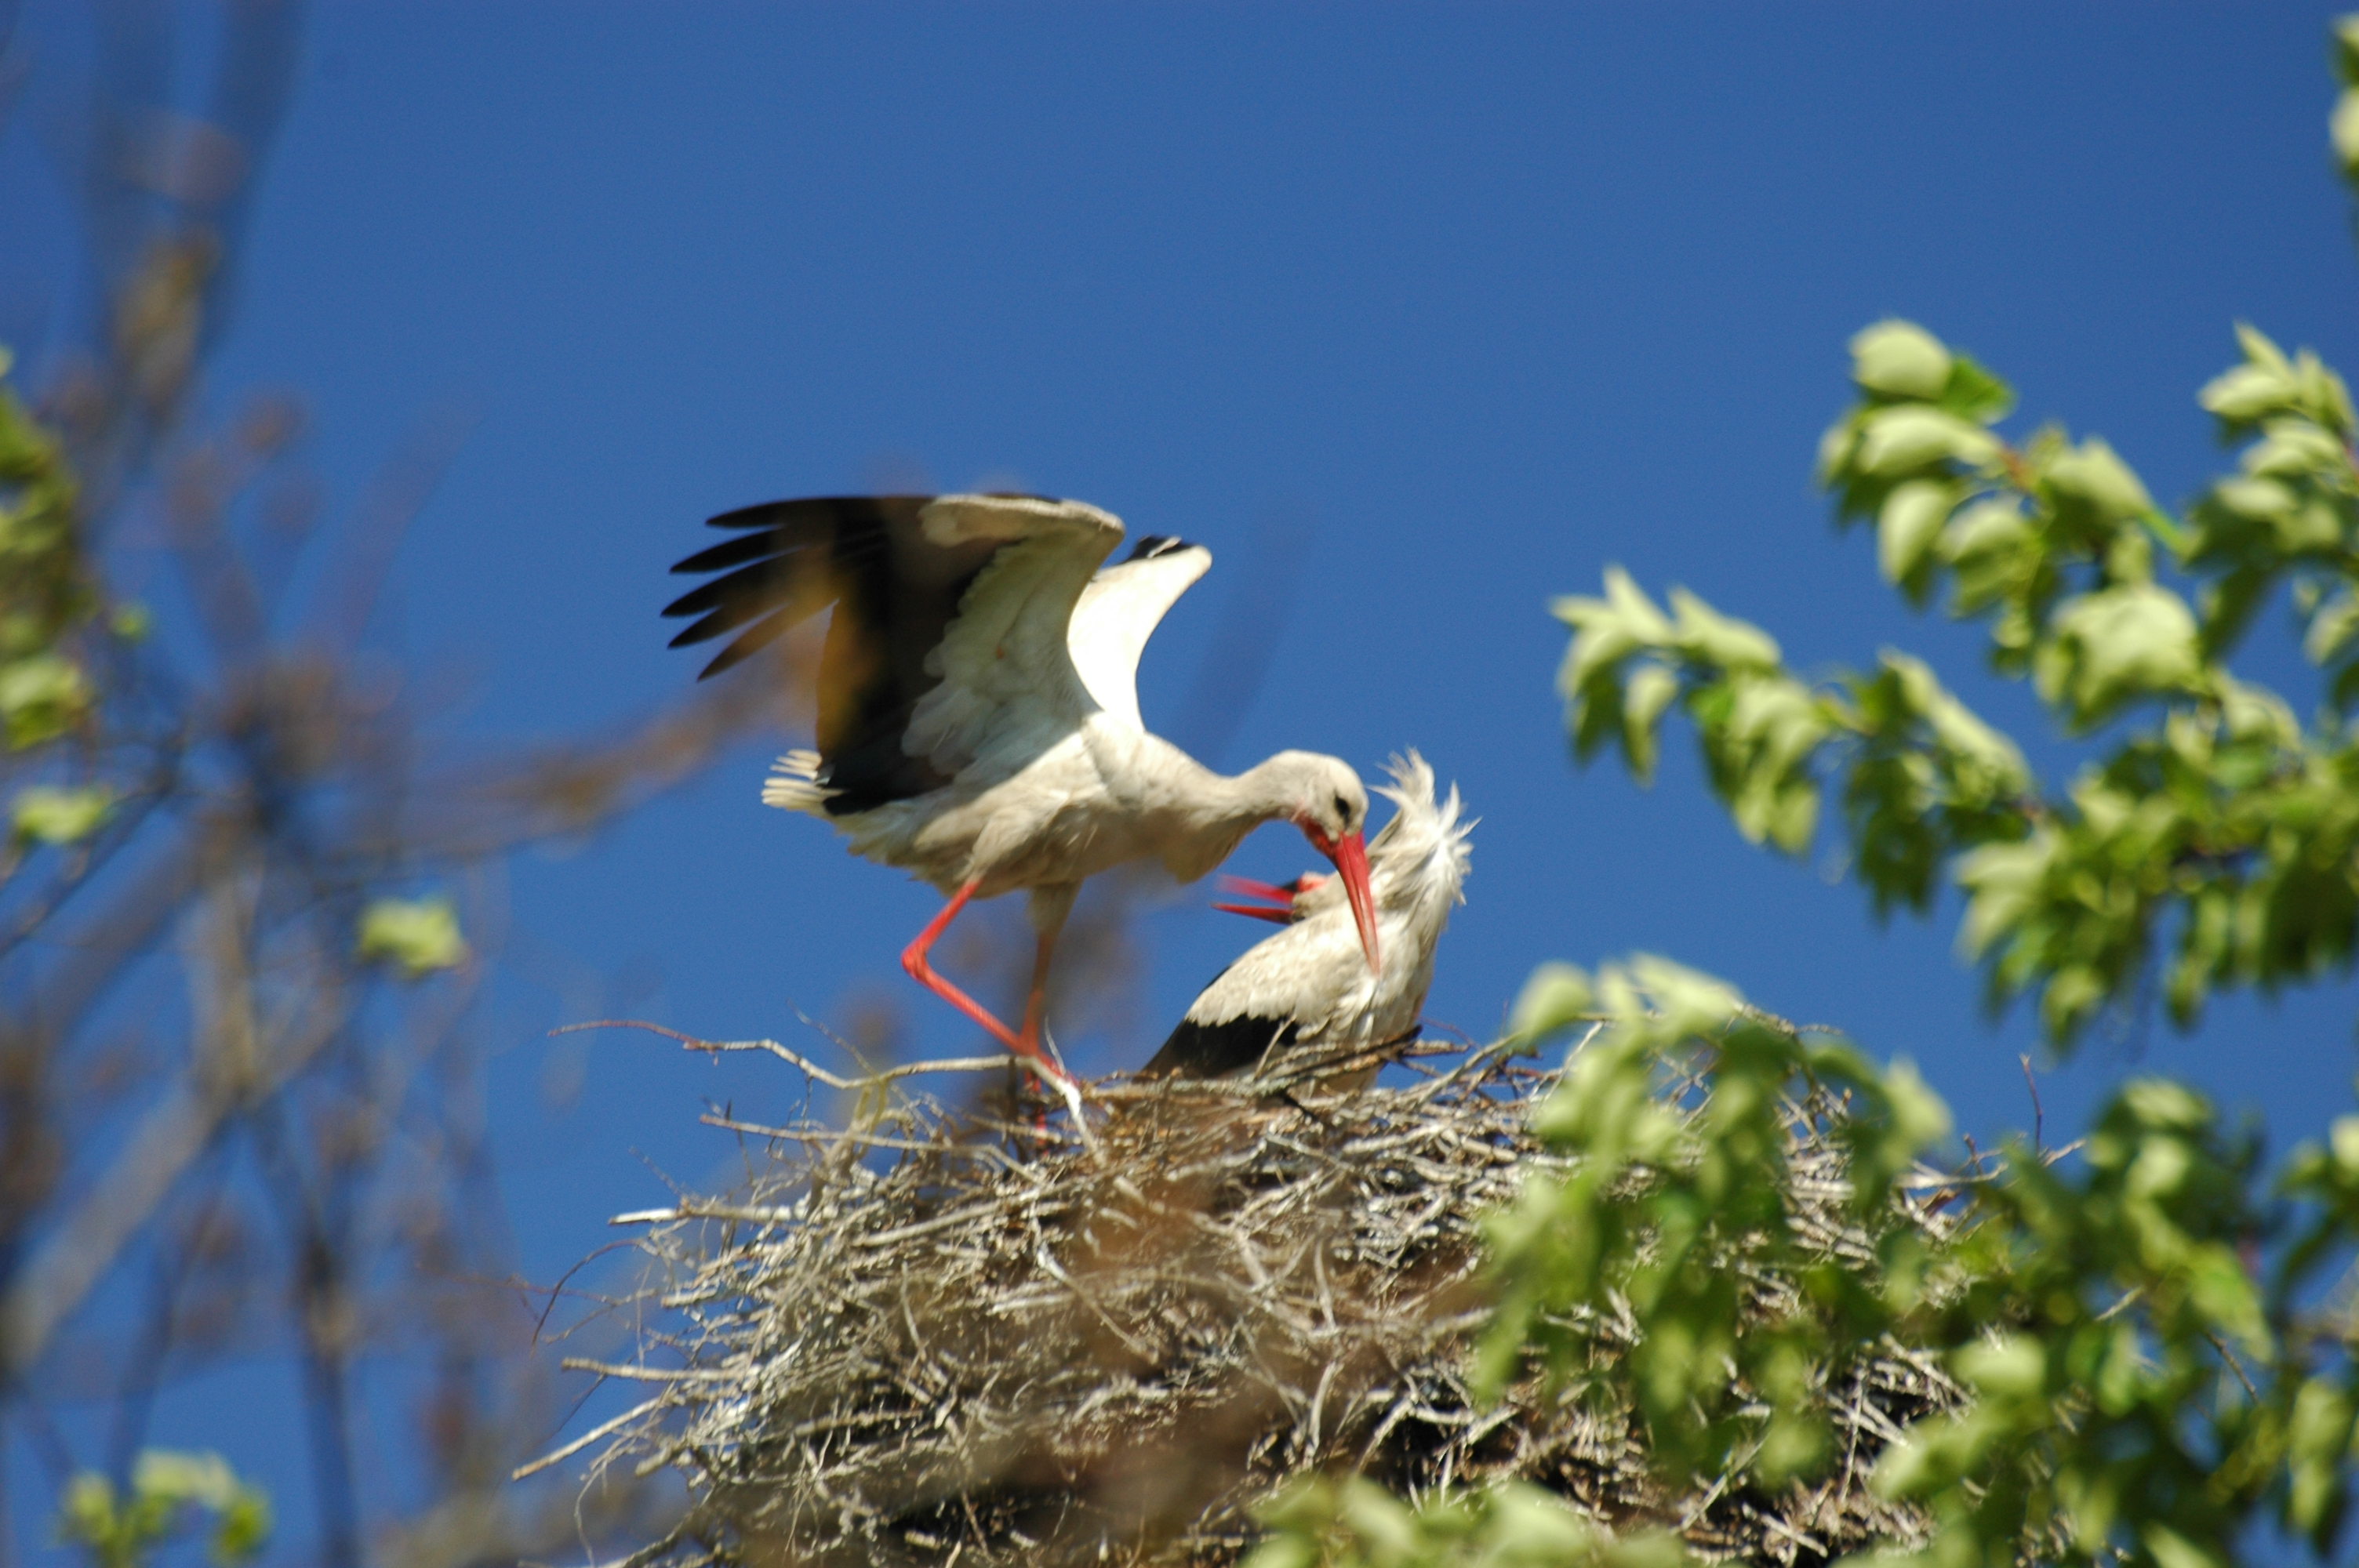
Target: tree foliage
2142, 1389
2209, 822
169, 1493
2154, 1328
1354, 1523
2137, 1389
46, 593
1658, 1197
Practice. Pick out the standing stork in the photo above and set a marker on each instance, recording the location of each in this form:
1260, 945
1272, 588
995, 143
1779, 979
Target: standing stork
1306, 987
978, 709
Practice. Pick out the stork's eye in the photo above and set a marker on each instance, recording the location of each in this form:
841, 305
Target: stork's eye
1343, 809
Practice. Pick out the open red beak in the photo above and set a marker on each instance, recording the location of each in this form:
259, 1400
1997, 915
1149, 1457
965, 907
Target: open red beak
1351, 857
1279, 901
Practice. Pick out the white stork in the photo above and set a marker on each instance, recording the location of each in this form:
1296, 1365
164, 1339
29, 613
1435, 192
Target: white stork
1306, 987
978, 709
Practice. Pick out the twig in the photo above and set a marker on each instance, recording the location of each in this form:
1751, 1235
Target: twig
2039, 1138
2235, 1365
558, 1455
796, 1059
642, 1374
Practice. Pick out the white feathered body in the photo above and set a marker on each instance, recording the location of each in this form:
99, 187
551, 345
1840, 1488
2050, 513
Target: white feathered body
1061, 806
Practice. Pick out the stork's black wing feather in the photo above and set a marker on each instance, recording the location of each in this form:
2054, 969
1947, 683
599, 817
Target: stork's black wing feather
1215, 1050
719, 557
762, 515
893, 593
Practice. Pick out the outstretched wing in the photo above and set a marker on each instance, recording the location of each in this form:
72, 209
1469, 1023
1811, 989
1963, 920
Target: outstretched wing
1120, 611
951, 615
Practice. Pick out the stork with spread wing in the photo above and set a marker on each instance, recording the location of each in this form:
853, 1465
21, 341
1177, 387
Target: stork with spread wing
978, 709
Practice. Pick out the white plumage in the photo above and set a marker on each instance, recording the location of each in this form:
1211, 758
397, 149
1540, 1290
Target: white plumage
1119, 610
1305, 988
978, 709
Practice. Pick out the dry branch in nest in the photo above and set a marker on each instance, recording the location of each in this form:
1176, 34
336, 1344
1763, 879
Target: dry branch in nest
933, 1338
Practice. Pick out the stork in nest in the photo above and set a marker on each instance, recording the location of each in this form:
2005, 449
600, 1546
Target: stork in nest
1305, 990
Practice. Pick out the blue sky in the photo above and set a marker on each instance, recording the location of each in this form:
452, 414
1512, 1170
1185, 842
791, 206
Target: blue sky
1452, 307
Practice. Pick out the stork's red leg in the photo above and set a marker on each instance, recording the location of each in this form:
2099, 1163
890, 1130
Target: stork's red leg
1037, 997
913, 958
1034, 1001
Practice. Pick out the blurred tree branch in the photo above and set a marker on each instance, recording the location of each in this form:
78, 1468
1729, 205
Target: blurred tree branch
202, 1064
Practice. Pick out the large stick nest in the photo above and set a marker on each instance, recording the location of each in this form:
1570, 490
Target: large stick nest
936, 1338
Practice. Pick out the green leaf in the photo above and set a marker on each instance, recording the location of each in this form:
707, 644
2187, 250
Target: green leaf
87, 1512
2266, 384
1635, 609
2297, 449
2012, 1368
245, 1528
2091, 475
1649, 691
2172, 1549
2266, 501
1607, 631
2246, 392
1306, 1501
1974, 394
1384, 1524
1921, 1118
1978, 757
1908, 523
1722, 640
1530, 1528
1900, 359
2135, 640
2332, 627
2343, 1138
178, 1477
46, 814
1284, 1551
2260, 351
1688, 1003
1835, 448
2003, 883
40, 698
417, 936
167, 1488
2255, 715
2220, 1288
1557, 996
2318, 1436
1899, 441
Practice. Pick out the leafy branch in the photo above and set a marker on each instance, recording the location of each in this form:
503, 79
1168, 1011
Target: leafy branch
2212, 821
2138, 1391
169, 1493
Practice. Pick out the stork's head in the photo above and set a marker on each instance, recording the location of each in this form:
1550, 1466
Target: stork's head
1331, 805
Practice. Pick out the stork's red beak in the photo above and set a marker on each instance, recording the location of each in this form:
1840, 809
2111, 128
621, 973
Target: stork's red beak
1279, 901
1350, 854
